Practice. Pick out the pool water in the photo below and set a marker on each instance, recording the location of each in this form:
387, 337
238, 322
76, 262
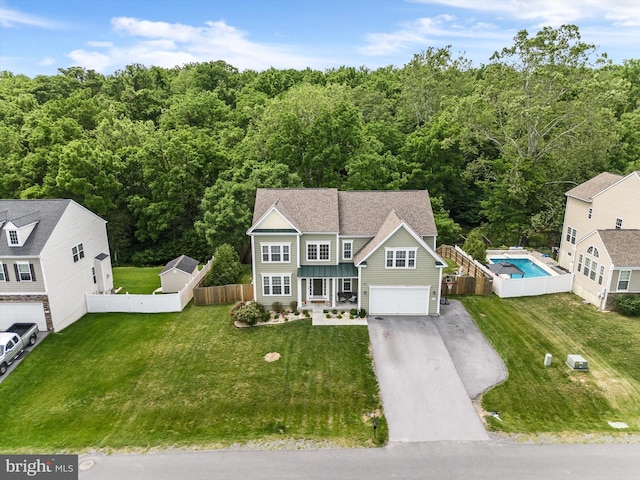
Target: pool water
529, 268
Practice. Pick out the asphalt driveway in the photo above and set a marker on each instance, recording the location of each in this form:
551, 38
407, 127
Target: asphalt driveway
428, 369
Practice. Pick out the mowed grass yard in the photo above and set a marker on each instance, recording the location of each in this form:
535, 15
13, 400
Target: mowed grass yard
191, 379
137, 280
555, 399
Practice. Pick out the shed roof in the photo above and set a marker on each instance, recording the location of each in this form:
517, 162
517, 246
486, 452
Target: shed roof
182, 263
623, 246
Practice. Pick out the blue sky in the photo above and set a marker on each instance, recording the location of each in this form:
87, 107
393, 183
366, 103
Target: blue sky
39, 36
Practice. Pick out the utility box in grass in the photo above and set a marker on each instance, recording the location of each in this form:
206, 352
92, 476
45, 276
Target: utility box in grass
576, 362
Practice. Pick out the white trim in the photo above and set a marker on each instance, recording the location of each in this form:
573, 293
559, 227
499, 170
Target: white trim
346, 242
318, 243
270, 254
282, 276
265, 215
417, 237
394, 259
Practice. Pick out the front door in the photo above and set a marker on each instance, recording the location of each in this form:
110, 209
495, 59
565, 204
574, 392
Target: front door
318, 288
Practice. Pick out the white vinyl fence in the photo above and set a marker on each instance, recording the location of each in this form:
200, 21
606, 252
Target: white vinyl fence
170, 302
524, 287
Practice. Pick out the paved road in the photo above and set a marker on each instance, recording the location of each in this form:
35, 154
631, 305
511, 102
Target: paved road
423, 396
424, 461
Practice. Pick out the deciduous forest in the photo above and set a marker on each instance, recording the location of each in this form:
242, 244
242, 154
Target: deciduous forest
172, 157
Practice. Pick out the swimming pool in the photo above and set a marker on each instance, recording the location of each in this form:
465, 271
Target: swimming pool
529, 268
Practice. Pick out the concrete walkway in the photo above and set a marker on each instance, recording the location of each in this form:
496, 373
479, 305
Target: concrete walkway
425, 398
320, 319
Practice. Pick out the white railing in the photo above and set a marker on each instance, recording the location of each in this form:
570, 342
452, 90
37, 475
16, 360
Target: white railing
170, 302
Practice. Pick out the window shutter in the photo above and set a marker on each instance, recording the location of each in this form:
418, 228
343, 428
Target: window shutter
33, 273
15, 267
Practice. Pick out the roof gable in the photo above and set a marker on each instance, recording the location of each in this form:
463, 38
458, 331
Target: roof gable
274, 220
309, 210
623, 246
391, 225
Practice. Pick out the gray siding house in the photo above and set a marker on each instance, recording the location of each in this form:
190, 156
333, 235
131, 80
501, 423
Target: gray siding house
52, 252
601, 237
371, 250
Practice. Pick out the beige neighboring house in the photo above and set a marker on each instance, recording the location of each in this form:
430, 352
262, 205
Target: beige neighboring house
52, 252
601, 240
371, 250
178, 273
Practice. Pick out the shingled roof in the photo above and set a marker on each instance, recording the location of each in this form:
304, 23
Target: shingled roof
316, 210
23, 212
309, 209
623, 246
182, 263
587, 190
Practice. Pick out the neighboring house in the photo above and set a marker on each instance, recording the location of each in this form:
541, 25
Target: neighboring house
178, 273
52, 252
373, 250
600, 241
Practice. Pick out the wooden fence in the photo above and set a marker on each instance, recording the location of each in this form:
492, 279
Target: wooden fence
478, 282
222, 294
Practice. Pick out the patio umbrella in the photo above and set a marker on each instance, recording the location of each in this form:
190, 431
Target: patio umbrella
505, 268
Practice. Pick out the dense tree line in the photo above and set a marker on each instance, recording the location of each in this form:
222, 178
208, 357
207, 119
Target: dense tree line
172, 157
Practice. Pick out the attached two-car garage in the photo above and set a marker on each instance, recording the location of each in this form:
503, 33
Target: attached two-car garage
399, 300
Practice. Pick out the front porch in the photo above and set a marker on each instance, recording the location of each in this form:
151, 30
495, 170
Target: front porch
328, 287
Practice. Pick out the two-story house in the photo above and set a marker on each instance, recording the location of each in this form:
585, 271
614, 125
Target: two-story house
374, 250
52, 252
601, 237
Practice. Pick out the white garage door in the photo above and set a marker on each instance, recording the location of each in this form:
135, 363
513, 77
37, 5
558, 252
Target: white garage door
11, 313
405, 300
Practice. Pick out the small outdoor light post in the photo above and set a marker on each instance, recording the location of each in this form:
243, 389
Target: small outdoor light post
375, 426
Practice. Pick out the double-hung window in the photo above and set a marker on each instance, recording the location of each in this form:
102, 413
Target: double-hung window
77, 252
401, 257
623, 280
618, 223
4, 275
273, 285
24, 272
572, 233
318, 251
347, 249
276, 253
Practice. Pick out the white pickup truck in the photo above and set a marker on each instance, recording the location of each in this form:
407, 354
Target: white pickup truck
13, 342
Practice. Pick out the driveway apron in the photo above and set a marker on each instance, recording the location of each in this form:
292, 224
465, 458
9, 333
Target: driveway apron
423, 396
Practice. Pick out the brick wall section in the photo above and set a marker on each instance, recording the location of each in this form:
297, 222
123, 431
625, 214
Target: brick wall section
44, 299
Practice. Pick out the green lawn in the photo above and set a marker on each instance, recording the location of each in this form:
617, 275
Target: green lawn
136, 279
127, 381
555, 399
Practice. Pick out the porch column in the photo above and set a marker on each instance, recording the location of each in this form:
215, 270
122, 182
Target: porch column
299, 282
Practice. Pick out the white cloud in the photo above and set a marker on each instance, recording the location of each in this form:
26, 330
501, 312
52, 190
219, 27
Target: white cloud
100, 44
441, 30
11, 18
47, 61
552, 12
170, 44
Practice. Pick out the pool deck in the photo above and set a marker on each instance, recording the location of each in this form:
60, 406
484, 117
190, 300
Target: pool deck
545, 260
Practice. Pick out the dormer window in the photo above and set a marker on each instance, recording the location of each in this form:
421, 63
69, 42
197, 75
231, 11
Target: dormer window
13, 237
